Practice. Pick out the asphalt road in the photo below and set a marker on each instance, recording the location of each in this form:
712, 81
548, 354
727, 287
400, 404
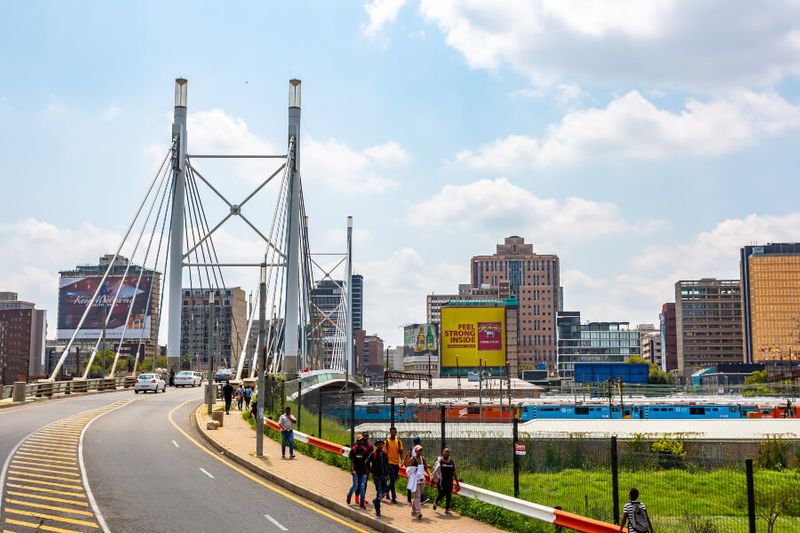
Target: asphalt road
145, 475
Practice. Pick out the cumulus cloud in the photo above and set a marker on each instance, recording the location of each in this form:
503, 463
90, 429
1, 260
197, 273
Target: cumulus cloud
111, 112
381, 12
673, 43
498, 206
340, 167
632, 127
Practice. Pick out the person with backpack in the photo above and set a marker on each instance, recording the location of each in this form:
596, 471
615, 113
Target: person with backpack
635, 515
444, 476
358, 469
239, 397
378, 466
394, 450
248, 395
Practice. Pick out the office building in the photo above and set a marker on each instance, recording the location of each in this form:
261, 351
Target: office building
651, 347
370, 355
358, 302
230, 317
594, 342
466, 293
669, 337
22, 339
533, 279
771, 302
329, 308
708, 322
126, 309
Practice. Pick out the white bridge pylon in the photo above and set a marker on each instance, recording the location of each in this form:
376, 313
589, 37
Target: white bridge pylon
180, 243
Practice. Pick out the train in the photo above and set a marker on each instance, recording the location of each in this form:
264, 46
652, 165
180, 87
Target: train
494, 412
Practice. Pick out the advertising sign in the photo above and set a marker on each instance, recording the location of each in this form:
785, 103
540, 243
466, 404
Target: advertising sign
421, 339
473, 334
75, 293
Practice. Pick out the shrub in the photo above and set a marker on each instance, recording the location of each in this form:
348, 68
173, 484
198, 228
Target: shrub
773, 453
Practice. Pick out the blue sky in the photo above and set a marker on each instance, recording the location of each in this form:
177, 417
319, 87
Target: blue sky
642, 142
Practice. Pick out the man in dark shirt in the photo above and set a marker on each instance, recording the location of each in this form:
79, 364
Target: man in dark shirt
378, 466
227, 394
358, 469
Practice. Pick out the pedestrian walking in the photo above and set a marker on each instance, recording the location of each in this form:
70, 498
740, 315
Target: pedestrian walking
172, 377
416, 480
239, 397
248, 395
445, 477
635, 514
378, 466
286, 421
407, 458
358, 469
227, 394
365, 441
394, 451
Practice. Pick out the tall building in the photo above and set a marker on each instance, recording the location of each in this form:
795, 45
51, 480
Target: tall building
329, 309
597, 342
708, 322
22, 339
134, 316
669, 337
534, 280
358, 302
369, 353
651, 347
771, 302
230, 315
466, 293
569, 340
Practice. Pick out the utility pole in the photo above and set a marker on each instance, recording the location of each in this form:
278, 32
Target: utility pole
176, 225
349, 368
262, 362
211, 350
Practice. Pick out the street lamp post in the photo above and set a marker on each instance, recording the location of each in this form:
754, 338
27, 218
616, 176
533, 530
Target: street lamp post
211, 348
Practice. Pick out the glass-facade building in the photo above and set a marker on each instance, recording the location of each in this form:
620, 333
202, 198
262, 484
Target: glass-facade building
593, 342
771, 302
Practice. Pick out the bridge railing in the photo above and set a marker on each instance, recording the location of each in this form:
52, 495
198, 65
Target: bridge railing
45, 389
310, 379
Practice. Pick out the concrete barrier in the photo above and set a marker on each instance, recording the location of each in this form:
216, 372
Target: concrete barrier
18, 394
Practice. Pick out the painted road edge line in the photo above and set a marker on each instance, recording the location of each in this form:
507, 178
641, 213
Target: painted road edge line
176, 444
277, 524
206, 472
256, 479
92, 501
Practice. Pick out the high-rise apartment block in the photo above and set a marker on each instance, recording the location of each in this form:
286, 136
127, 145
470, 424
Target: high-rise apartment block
534, 280
771, 302
669, 337
650, 337
708, 321
230, 317
22, 339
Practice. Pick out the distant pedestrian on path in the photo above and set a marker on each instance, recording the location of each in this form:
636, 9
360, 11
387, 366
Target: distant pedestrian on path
635, 514
378, 466
394, 451
445, 477
358, 469
286, 422
239, 397
227, 394
407, 458
416, 480
248, 395
172, 377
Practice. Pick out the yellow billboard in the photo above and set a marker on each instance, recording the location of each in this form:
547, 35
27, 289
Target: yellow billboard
473, 334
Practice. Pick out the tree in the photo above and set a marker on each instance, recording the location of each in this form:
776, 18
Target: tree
759, 376
772, 500
654, 374
147, 364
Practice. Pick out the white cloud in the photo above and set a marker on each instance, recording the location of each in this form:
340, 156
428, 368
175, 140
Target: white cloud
111, 112
633, 127
498, 206
381, 12
675, 43
341, 168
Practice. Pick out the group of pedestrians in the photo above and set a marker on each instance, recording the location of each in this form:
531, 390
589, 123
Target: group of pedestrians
242, 394
383, 461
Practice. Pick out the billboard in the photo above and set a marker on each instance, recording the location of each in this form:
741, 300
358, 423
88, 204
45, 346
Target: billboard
75, 293
421, 339
473, 334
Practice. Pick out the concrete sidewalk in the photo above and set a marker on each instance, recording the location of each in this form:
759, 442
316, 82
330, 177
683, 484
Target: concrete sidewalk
324, 484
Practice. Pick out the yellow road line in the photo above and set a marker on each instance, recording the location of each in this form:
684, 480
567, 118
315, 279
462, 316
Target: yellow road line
16, 465
255, 479
49, 491
48, 483
41, 476
44, 458
50, 507
44, 452
25, 461
50, 446
46, 498
53, 442
40, 526
37, 514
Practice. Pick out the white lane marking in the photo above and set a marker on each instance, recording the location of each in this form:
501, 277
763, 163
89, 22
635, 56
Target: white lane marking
277, 524
176, 444
203, 470
92, 501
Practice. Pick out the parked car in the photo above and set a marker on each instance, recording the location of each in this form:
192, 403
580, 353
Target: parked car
153, 382
223, 374
187, 378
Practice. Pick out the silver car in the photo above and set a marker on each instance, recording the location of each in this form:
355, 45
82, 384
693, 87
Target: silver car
150, 382
187, 378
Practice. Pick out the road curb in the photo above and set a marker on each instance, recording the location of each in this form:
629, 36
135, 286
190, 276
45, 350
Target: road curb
35, 400
340, 508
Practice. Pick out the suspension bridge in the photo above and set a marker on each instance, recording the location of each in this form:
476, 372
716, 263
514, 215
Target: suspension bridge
171, 233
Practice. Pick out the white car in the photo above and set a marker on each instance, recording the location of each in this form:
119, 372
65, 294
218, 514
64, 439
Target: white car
187, 378
153, 382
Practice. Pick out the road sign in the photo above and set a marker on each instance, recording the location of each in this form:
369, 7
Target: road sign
519, 449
